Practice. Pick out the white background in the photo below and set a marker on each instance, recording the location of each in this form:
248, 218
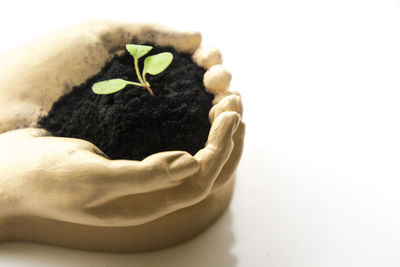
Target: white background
319, 180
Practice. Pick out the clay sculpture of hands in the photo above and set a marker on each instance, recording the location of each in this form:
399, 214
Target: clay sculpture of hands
71, 180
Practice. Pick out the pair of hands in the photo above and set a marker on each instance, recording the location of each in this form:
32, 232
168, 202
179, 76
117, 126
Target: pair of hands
71, 180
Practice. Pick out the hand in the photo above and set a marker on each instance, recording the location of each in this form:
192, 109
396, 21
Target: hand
71, 180
33, 77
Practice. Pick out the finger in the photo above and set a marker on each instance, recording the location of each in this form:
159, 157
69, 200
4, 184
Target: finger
219, 146
231, 102
216, 80
220, 96
207, 56
125, 177
228, 103
158, 171
230, 166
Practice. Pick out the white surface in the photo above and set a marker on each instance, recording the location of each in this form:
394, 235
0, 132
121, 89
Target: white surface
319, 181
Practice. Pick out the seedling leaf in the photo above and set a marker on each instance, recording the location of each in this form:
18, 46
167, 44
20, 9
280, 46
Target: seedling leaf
137, 51
153, 64
109, 86
157, 63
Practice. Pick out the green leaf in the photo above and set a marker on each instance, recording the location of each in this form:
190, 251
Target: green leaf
157, 63
137, 51
109, 86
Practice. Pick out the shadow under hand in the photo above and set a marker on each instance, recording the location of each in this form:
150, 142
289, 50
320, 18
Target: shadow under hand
210, 248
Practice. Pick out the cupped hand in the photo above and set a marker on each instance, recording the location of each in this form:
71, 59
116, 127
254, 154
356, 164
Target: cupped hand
71, 180
34, 76
59, 178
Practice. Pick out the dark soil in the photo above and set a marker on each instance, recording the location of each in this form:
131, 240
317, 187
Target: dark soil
132, 124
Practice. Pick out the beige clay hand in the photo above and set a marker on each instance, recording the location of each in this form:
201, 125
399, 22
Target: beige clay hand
195, 188
69, 179
33, 77
59, 178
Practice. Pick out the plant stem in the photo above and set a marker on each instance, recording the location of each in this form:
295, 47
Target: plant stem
149, 89
138, 73
142, 85
135, 83
144, 79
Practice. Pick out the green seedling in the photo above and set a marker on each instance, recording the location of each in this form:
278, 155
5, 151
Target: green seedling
152, 65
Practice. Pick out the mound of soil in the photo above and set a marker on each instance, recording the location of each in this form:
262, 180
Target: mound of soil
132, 124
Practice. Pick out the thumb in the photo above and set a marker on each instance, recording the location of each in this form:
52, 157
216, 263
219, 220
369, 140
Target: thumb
219, 147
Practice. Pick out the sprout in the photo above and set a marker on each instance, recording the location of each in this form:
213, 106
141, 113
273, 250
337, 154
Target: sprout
152, 65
